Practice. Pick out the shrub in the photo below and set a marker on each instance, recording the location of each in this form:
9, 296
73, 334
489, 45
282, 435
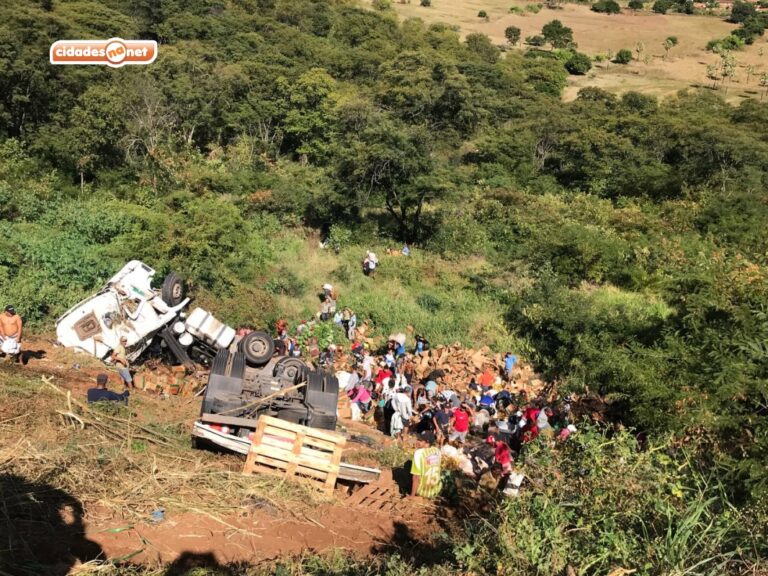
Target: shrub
533, 8
731, 42
636, 5
516, 10
536, 40
623, 56
429, 302
606, 7
661, 6
426, 3
482, 14
382, 5
512, 34
741, 11
578, 64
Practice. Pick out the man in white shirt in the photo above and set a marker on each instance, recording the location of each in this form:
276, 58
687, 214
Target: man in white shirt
402, 410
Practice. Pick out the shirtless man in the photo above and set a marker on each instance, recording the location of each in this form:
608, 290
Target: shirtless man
10, 333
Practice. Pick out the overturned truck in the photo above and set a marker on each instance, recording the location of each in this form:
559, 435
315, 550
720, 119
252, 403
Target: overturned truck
239, 391
246, 378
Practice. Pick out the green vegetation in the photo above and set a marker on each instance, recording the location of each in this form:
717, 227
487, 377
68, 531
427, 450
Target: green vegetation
623, 56
728, 43
512, 34
606, 7
617, 242
636, 5
557, 35
578, 64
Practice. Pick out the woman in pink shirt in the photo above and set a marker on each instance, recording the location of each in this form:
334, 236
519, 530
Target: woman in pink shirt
361, 396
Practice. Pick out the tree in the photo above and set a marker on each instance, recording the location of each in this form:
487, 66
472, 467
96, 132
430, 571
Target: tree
578, 64
741, 10
557, 35
668, 44
639, 49
512, 34
661, 6
480, 45
623, 56
636, 5
391, 163
606, 7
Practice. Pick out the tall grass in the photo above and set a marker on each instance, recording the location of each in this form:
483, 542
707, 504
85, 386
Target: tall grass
422, 294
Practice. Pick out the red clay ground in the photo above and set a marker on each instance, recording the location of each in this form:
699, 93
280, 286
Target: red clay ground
258, 531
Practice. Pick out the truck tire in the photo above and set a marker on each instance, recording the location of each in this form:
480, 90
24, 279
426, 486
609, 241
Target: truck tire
238, 366
258, 348
219, 364
315, 381
323, 421
331, 384
297, 414
291, 368
173, 290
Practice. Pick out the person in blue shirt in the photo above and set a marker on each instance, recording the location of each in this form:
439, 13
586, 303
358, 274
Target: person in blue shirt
487, 402
100, 393
509, 364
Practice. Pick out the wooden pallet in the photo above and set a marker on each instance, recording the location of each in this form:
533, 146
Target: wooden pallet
380, 496
293, 450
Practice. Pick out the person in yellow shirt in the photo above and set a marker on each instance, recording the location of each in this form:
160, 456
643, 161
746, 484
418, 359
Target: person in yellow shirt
426, 471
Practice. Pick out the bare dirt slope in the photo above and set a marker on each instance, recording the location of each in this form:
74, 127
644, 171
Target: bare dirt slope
98, 490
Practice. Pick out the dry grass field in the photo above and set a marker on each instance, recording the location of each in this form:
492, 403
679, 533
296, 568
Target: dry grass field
596, 34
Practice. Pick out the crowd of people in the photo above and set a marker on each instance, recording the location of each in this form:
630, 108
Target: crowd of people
481, 425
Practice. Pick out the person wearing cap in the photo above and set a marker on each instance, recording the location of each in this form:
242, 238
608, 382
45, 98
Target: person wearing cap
101, 394
10, 333
120, 358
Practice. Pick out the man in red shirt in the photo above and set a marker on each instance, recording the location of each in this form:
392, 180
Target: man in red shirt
460, 420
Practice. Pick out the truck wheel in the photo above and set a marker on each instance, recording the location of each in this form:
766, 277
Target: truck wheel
315, 381
173, 289
219, 364
331, 384
258, 348
291, 368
